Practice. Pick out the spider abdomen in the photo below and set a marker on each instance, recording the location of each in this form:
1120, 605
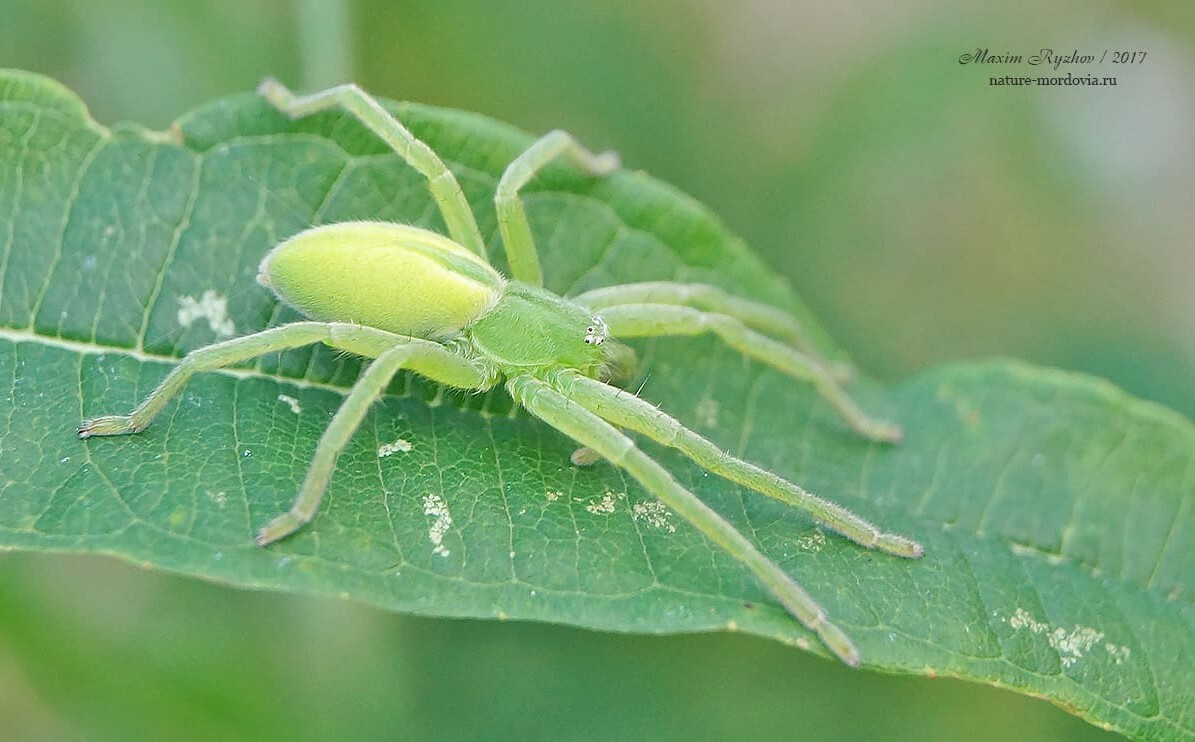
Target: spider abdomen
390, 276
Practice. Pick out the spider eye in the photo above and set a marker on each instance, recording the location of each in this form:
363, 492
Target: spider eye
596, 332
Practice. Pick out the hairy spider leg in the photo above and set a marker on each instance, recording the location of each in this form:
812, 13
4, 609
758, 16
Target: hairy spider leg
575, 420
653, 320
392, 352
760, 317
512, 218
632, 413
446, 191
218, 355
364, 341
427, 359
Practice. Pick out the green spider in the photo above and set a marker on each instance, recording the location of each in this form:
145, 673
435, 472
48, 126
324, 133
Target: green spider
413, 299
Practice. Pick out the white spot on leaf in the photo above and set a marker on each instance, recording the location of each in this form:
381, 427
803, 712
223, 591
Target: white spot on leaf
604, 506
813, 542
435, 506
291, 402
655, 514
1119, 654
212, 307
387, 449
1070, 644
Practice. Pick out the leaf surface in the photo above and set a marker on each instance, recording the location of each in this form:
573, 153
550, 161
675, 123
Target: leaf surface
1057, 512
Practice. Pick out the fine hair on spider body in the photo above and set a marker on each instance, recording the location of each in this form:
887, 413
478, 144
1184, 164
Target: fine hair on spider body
412, 299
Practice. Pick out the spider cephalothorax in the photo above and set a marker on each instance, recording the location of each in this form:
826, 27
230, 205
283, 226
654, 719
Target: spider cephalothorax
432, 304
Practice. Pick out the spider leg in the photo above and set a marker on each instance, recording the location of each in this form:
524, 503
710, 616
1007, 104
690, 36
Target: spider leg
218, 355
462, 226
392, 352
512, 219
630, 412
423, 357
758, 316
364, 341
650, 320
572, 418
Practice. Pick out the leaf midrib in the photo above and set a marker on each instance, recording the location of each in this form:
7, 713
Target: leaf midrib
90, 348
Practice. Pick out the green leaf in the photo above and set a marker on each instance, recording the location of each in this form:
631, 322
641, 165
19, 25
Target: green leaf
1057, 512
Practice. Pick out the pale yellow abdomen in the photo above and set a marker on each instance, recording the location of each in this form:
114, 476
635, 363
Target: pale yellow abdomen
391, 276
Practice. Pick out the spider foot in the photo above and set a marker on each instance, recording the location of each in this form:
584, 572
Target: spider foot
279, 528
108, 425
880, 431
604, 163
278, 95
890, 543
585, 456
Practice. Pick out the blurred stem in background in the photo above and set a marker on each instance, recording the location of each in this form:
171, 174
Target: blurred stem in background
325, 43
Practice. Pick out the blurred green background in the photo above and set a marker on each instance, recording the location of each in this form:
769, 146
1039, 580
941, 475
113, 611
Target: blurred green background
924, 215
